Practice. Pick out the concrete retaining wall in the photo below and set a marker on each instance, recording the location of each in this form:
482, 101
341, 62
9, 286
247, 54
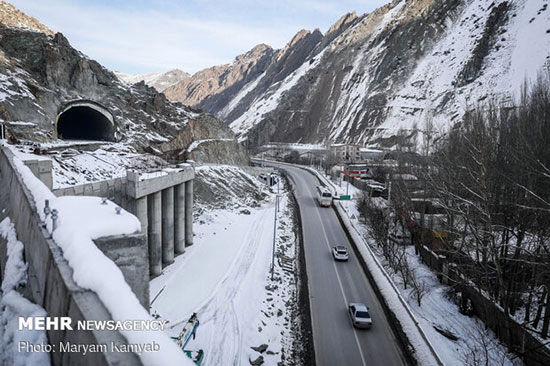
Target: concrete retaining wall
50, 279
43, 170
113, 189
129, 252
163, 203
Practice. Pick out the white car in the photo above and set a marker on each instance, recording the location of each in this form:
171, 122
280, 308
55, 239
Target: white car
359, 314
340, 253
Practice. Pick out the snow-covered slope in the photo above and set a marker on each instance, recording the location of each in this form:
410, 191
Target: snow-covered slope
396, 67
271, 97
221, 79
227, 282
520, 51
158, 80
41, 74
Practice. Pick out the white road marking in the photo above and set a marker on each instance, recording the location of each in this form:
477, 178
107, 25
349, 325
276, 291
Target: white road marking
337, 274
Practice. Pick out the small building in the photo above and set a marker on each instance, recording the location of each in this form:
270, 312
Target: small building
347, 153
371, 154
361, 171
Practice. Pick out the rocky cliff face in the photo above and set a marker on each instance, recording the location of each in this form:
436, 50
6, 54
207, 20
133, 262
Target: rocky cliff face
217, 79
393, 69
40, 74
223, 90
302, 46
158, 80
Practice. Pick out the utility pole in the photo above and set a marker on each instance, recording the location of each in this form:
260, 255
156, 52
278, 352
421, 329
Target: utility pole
388, 185
278, 191
274, 234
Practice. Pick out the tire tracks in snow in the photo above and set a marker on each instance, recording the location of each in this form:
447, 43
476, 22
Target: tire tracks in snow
218, 311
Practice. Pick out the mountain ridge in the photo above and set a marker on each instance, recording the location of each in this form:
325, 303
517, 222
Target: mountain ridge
40, 75
12, 17
216, 79
158, 80
373, 76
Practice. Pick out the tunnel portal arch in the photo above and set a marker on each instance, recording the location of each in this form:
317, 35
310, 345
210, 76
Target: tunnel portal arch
85, 120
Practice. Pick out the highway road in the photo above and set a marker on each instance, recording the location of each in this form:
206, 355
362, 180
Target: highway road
333, 285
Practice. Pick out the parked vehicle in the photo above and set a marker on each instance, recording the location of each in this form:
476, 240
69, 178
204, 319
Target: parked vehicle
340, 253
359, 314
324, 196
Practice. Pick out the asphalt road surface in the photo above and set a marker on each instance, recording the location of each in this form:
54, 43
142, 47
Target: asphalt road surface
333, 285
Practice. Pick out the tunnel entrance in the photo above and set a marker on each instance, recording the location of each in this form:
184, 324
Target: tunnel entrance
85, 121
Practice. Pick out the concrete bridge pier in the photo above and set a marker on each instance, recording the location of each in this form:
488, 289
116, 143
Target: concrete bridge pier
164, 206
167, 226
154, 236
179, 218
188, 213
140, 210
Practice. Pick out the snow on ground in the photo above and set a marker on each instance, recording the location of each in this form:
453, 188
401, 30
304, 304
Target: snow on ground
82, 219
226, 186
436, 309
13, 305
12, 84
224, 277
73, 165
296, 146
197, 143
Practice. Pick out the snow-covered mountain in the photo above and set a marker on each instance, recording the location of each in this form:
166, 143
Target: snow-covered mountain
157, 80
221, 79
12, 17
404, 63
41, 74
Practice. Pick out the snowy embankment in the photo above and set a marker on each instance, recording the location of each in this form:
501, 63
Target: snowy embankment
225, 276
82, 219
474, 342
13, 305
226, 187
73, 165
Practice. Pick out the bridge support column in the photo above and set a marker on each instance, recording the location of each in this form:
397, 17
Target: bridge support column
167, 226
154, 212
141, 214
189, 213
179, 218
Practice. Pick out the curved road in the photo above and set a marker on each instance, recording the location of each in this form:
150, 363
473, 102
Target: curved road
332, 285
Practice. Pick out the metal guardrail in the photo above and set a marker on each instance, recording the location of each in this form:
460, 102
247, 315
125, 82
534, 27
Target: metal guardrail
339, 209
373, 256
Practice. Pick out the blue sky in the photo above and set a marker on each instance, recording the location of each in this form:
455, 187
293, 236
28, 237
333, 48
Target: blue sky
138, 36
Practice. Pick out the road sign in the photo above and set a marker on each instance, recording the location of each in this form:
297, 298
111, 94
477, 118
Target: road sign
345, 197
